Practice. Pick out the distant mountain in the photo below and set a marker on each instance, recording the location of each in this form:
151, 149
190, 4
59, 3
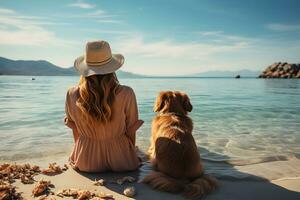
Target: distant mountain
242, 73
32, 68
44, 68
122, 74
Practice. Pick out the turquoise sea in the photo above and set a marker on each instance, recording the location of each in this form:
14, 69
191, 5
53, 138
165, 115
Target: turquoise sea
238, 121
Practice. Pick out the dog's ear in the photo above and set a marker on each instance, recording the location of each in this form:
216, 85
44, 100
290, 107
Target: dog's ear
161, 101
186, 102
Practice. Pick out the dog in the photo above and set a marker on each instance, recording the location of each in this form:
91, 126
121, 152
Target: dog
173, 151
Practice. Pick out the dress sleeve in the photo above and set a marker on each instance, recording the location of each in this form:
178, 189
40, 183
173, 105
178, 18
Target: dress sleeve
132, 118
68, 119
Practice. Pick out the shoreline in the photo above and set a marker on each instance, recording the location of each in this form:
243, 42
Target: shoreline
233, 189
264, 171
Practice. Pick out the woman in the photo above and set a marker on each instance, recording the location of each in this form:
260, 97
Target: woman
102, 114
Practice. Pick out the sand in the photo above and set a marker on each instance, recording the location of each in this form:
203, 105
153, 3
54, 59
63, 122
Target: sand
230, 189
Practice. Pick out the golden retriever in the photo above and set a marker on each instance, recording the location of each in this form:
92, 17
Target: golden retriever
173, 151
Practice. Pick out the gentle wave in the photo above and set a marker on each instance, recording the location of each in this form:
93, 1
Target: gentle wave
249, 161
237, 123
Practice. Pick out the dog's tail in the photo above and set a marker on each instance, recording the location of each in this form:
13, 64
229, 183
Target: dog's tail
160, 181
192, 190
200, 187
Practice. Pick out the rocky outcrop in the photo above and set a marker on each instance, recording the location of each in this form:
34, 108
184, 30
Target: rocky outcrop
281, 70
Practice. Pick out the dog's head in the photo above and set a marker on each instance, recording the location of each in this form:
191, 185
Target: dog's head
176, 102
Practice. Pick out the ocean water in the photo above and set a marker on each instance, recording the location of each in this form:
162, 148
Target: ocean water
237, 121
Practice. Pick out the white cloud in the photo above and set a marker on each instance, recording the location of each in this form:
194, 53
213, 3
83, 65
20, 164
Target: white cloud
110, 21
97, 13
82, 5
6, 11
145, 54
167, 56
170, 49
107, 32
283, 27
27, 30
210, 33
221, 37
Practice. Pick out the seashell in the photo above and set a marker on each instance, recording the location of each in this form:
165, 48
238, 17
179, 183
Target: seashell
129, 192
4, 166
68, 193
5, 186
4, 195
7, 191
27, 179
103, 195
38, 190
42, 187
26, 166
65, 168
10, 172
35, 168
100, 182
84, 194
78, 194
53, 169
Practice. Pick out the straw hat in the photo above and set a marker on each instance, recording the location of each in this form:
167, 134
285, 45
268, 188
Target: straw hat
98, 59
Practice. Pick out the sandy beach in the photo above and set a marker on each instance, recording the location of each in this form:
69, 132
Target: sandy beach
252, 157
243, 186
208, 89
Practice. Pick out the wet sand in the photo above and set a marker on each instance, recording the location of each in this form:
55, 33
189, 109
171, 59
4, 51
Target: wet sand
230, 188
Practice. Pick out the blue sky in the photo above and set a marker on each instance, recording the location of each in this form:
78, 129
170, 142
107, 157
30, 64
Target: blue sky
156, 37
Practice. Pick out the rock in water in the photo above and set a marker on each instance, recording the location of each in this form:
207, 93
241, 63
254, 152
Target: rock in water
238, 76
281, 70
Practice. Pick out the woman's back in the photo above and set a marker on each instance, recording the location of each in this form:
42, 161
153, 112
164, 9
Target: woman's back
102, 113
103, 146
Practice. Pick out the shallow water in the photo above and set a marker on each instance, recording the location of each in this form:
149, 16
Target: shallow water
241, 122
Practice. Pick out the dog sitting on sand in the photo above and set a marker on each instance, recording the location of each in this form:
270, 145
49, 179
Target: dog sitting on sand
173, 151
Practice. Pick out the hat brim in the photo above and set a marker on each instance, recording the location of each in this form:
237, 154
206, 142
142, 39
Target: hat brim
87, 70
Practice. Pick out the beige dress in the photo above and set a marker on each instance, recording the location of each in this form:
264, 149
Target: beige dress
105, 147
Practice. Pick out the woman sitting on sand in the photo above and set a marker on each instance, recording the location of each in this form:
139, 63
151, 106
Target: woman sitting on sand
102, 114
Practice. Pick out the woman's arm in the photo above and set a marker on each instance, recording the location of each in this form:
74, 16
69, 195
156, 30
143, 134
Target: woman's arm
132, 118
68, 120
72, 126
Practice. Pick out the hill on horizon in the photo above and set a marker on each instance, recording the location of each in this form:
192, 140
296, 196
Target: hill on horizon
242, 73
45, 68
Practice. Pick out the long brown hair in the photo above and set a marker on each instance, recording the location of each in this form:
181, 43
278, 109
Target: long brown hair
96, 96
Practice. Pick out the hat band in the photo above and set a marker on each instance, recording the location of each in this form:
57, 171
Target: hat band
97, 63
